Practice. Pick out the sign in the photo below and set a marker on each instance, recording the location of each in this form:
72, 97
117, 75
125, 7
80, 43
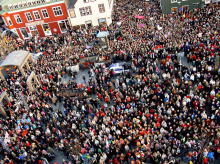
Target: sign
54, 30
207, 1
34, 23
139, 17
28, 120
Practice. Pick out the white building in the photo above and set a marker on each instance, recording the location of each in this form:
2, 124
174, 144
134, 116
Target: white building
86, 13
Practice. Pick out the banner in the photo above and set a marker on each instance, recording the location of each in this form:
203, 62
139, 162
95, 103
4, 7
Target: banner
207, 1
141, 25
139, 17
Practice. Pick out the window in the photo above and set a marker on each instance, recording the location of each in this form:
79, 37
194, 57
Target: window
24, 32
57, 11
20, 5
85, 11
46, 29
28, 16
86, 1
185, 8
18, 18
44, 13
36, 15
10, 7
101, 8
63, 27
9, 21
72, 13
32, 28
16, 6
109, 2
173, 1
82, 11
88, 10
174, 10
102, 21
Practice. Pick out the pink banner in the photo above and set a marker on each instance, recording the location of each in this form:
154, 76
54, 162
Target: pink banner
139, 17
141, 25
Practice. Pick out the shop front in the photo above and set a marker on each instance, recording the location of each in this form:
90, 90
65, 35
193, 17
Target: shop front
42, 29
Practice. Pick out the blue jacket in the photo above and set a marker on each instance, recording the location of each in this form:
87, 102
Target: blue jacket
210, 155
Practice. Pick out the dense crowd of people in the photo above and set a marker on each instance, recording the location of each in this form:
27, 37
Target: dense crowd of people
158, 112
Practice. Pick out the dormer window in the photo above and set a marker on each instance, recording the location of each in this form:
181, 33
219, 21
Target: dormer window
16, 6
10, 7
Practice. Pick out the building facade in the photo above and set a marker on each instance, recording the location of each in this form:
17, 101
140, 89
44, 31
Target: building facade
35, 17
86, 13
173, 6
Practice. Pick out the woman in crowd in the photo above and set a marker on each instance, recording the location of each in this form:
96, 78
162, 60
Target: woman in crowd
152, 114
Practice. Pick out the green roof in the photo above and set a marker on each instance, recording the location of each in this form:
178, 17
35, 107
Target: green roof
5, 4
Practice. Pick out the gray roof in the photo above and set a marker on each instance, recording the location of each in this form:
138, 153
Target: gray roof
15, 58
71, 3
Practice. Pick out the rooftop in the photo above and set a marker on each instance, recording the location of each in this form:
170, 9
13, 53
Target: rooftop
15, 58
70, 4
10, 5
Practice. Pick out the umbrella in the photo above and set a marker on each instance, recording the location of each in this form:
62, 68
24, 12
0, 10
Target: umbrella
102, 34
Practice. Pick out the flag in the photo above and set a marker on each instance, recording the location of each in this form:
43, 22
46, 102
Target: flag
24, 133
139, 17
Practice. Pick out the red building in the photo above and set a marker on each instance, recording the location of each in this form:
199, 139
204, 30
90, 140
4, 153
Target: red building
29, 18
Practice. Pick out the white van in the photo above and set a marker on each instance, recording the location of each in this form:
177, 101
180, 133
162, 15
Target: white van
118, 68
